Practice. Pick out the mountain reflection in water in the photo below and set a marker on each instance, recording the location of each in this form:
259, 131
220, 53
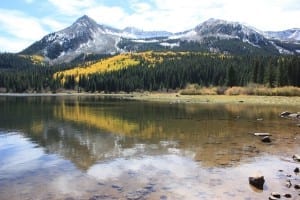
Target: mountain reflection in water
110, 139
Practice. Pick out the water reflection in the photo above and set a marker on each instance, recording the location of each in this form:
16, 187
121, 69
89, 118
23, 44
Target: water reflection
87, 130
110, 140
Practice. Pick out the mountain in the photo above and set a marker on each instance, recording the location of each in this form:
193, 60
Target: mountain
83, 36
290, 35
86, 37
229, 30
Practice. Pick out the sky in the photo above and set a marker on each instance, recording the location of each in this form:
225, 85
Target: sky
23, 22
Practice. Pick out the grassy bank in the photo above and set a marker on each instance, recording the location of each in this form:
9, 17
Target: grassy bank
208, 99
256, 90
178, 98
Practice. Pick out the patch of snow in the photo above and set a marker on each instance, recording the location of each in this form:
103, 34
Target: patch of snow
281, 50
171, 45
188, 34
146, 41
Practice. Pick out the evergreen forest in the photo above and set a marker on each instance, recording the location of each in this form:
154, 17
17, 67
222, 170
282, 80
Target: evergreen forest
163, 72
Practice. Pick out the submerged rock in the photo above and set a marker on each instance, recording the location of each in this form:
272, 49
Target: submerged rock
257, 181
287, 196
266, 139
297, 186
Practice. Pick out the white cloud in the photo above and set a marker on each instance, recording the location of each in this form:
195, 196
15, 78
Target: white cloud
170, 15
72, 7
8, 44
112, 16
179, 15
19, 30
53, 25
20, 25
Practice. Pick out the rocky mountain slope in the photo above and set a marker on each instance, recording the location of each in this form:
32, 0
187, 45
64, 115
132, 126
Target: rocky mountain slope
85, 36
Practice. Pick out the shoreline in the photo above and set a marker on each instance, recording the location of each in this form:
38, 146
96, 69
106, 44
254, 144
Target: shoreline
175, 98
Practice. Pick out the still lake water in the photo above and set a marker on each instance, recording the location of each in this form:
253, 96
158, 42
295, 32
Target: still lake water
96, 148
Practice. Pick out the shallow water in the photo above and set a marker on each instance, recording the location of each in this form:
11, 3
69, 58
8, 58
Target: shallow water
95, 148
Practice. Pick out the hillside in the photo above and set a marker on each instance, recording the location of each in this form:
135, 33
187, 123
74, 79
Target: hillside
174, 70
119, 62
155, 71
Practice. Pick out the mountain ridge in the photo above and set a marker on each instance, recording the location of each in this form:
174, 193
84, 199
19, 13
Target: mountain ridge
86, 36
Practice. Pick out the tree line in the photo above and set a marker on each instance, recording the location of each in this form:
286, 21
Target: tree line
170, 74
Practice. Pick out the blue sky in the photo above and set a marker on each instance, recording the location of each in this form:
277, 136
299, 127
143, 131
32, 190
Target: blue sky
24, 21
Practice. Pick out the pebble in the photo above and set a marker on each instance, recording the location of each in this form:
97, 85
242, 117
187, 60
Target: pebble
118, 187
100, 197
287, 196
288, 184
272, 198
266, 139
297, 186
275, 194
163, 197
296, 170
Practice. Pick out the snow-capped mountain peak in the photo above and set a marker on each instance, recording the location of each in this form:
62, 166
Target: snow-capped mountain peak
86, 36
85, 21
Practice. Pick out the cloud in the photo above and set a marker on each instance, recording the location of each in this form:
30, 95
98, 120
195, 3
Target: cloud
19, 30
52, 24
20, 25
72, 7
170, 15
8, 44
113, 16
178, 15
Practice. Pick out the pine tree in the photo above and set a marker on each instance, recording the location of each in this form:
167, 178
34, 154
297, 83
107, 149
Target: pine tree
231, 77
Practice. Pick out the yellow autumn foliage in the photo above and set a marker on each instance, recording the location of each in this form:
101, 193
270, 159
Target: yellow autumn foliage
114, 63
36, 59
125, 60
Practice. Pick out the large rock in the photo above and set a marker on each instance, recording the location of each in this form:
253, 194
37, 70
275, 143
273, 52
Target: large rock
290, 115
296, 157
285, 113
257, 181
294, 116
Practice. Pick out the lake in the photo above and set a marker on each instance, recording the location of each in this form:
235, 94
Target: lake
102, 148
